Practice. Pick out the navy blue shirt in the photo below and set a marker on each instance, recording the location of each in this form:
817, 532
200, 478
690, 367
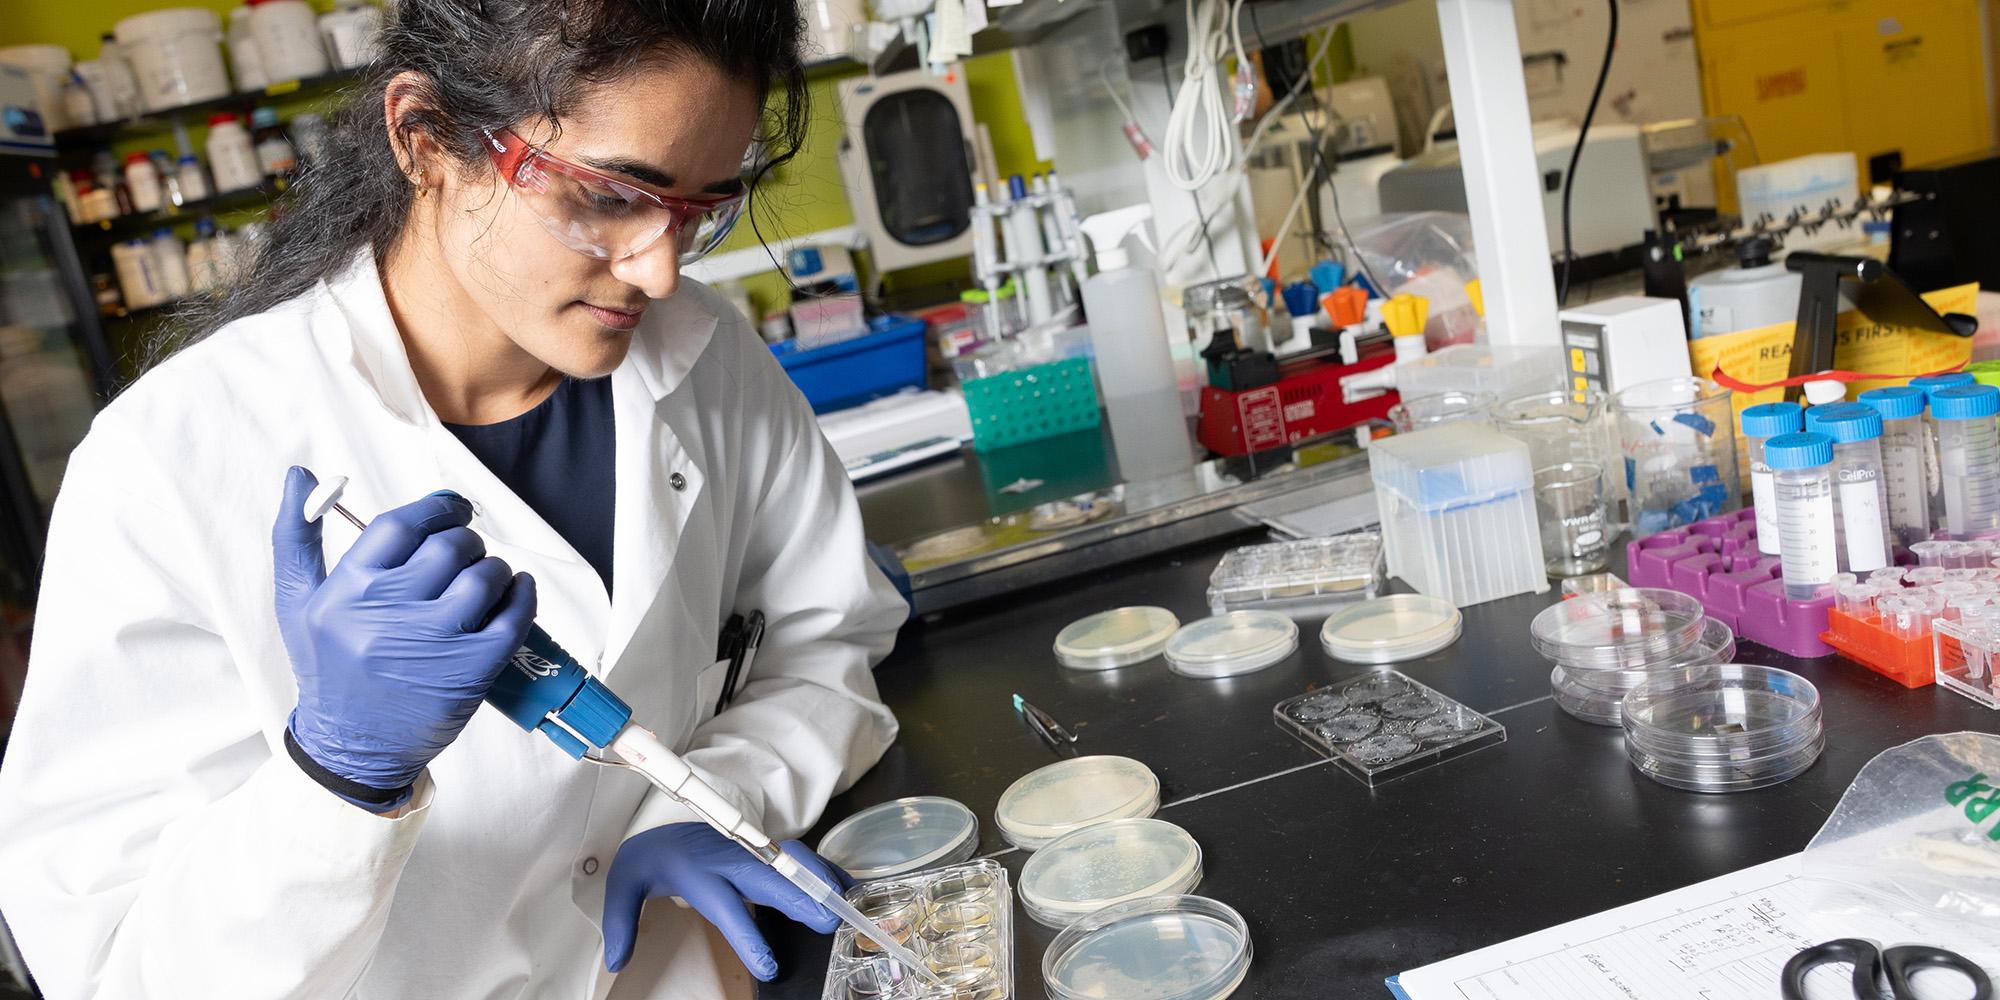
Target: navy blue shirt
560, 458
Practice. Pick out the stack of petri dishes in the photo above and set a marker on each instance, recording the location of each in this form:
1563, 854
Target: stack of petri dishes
1605, 644
1723, 727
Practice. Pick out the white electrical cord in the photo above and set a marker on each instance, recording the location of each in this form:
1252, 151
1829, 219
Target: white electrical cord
1185, 239
1201, 140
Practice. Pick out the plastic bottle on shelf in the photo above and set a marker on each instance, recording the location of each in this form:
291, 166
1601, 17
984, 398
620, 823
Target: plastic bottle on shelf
1760, 424
348, 33
275, 155
138, 275
142, 183
231, 157
202, 273
170, 263
1802, 474
118, 75
193, 179
287, 33
79, 107
96, 204
244, 63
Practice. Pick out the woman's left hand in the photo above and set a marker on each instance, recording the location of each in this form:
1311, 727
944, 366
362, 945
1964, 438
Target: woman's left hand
715, 876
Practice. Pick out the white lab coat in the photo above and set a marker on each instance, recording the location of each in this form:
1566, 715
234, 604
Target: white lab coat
155, 839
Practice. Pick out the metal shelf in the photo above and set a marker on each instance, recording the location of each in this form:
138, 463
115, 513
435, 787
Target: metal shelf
158, 121
148, 221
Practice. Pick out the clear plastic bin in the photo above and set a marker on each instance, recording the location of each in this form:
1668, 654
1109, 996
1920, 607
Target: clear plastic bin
1458, 513
1307, 572
960, 920
1506, 372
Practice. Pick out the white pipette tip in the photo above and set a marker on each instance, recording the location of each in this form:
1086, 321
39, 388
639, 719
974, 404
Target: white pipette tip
320, 502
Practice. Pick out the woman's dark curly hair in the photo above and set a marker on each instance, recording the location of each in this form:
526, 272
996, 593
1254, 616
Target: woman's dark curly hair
485, 64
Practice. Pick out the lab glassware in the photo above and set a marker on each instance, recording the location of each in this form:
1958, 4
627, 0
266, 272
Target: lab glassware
1565, 426
1903, 461
1423, 412
1861, 498
1761, 423
1802, 470
1968, 458
1576, 533
1680, 457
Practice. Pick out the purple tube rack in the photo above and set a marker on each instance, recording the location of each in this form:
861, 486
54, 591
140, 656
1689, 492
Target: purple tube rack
1716, 561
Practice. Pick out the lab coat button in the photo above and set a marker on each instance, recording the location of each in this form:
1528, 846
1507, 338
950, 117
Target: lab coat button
590, 866
678, 482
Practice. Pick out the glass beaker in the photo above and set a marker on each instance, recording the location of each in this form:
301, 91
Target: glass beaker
1422, 412
1678, 439
1576, 526
1565, 426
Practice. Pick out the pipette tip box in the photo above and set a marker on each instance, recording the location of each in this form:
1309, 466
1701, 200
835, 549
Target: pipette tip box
1717, 562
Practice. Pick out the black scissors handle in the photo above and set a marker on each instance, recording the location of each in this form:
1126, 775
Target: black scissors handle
1870, 963
1863, 955
1901, 962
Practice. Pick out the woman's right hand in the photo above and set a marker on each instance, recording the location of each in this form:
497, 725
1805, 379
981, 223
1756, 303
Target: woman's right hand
395, 649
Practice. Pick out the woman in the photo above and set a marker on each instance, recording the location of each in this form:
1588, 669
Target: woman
477, 292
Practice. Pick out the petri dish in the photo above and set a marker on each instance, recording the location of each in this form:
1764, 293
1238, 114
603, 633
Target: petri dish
1087, 870
1391, 629
1226, 645
1723, 727
1116, 638
1633, 627
900, 837
1069, 795
1727, 776
1158, 948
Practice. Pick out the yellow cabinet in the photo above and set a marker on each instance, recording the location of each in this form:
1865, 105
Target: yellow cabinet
1870, 76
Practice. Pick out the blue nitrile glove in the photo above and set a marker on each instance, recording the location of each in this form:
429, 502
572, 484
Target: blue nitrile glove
716, 876
394, 650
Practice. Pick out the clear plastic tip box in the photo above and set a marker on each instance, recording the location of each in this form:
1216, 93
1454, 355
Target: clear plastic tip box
959, 919
1309, 571
1458, 513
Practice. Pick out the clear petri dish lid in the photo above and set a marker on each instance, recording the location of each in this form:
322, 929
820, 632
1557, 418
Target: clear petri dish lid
1116, 638
1069, 795
1599, 708
1087, 870
1727, 777
1226, 645
1629, 627
1715, 644
1158, 948
1721, 708
1391, 629
900, 837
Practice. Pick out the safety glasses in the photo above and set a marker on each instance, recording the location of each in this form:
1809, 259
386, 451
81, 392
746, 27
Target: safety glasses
599, 215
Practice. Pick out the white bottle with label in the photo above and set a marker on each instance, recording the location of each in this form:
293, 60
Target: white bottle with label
1761, 423
231, 156
137, 276
244, 62
193, 179
348, 33
170, 263
1135, 362
287, 33
142, 182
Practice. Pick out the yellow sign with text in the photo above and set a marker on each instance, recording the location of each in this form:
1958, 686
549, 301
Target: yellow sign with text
1764, 355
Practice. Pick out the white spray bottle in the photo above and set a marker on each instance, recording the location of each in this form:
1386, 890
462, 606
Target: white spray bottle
1135, 362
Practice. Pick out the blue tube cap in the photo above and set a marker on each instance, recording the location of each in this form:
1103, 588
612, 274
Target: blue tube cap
1899, 403
1847, 423
1930, 384
1965, 402
1771, 419
1798, 451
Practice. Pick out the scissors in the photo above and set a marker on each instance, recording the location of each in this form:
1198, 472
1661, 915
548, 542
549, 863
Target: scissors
1870, 963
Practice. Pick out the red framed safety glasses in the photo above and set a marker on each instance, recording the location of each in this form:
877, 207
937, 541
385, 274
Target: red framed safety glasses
599, 215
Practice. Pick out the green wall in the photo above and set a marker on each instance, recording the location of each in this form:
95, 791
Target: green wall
804, 196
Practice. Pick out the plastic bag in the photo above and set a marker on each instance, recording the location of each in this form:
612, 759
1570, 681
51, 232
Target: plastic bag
1428, 254
1918, 833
